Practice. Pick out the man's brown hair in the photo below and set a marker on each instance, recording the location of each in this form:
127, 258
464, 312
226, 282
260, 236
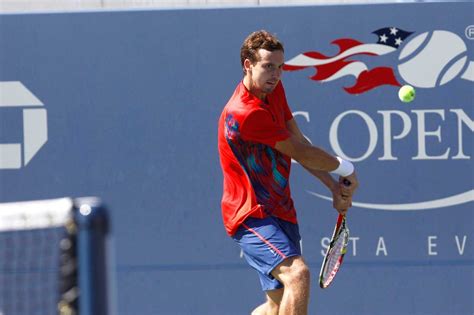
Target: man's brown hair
255, 41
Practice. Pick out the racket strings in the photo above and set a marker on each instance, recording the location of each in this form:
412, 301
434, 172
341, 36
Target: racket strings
338, 249
335, 253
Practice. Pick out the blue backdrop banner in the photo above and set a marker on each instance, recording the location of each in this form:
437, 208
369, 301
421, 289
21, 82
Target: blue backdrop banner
124, 105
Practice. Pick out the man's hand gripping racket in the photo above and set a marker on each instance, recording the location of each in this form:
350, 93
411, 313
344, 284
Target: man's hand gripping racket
336, 250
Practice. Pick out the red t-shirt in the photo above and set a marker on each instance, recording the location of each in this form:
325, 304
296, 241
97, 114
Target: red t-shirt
255, 174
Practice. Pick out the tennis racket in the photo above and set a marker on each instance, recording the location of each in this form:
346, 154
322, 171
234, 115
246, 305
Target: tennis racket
335, 253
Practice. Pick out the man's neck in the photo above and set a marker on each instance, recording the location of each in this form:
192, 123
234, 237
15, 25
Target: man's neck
249, 85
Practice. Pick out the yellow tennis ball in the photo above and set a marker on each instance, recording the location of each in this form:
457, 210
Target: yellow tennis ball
406, 93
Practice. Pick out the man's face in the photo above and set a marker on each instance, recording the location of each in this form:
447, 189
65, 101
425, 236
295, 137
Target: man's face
264, 75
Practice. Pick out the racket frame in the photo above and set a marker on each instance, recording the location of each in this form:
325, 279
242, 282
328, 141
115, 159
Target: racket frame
340, 228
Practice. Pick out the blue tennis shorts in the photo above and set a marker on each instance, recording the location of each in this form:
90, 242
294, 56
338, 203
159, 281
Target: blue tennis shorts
265, 244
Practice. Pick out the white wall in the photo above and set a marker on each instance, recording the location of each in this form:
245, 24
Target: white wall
18, 6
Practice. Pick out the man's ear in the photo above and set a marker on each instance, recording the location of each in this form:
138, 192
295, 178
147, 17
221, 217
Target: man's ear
247, 64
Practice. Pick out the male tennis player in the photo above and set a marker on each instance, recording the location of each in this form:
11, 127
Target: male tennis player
257, 139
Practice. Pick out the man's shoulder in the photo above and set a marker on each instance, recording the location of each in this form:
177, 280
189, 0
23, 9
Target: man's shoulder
241, 104
241, 111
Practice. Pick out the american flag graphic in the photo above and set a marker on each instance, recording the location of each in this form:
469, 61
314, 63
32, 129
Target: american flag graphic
330, 68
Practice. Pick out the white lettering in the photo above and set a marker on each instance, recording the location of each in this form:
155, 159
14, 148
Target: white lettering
306, 117
334, 140
430, 123
423, 133
432, 245
354, 239
325, 241
460, 246
387, 131
462, 118
35, 125
381, 247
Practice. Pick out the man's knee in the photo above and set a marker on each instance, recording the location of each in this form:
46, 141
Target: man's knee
272, 308
300, 274
273, 301
293, 271
260, 310
267, 308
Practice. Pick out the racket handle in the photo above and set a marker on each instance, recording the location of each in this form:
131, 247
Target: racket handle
346, 183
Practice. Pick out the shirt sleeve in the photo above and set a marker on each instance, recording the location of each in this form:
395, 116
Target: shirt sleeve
259, 126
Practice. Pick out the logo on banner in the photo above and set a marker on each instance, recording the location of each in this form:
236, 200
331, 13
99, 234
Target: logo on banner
35, 134
427, 61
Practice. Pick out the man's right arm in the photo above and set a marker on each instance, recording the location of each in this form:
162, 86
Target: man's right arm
307, 155
312, 157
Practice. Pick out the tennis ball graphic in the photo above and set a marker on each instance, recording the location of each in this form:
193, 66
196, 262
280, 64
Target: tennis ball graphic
432, 59
406, 93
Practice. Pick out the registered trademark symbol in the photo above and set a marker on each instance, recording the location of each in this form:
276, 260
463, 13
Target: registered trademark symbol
470, 32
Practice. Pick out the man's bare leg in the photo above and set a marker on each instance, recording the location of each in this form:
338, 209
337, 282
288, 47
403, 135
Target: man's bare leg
294, 274
271, 306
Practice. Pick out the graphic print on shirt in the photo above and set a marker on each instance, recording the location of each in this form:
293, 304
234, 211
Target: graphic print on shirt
264, 167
